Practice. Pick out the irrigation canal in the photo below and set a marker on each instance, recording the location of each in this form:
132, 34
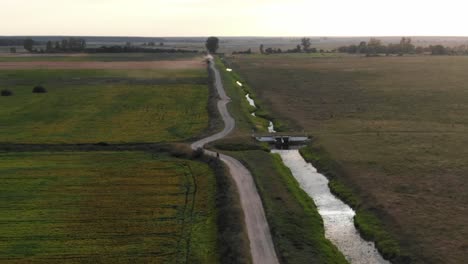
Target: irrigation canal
338, 217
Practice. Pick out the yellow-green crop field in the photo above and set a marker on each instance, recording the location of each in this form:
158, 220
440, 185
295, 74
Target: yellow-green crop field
114, 106
112, 207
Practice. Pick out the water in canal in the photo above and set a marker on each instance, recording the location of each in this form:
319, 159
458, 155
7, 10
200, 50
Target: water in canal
337, 216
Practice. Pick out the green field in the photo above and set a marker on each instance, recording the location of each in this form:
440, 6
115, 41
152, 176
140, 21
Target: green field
89, 106
65, 202
395, 128
114, 207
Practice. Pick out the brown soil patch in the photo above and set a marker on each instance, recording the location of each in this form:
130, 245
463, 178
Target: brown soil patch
173, 65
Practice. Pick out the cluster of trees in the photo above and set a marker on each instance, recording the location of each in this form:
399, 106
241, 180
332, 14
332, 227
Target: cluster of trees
153, 44
11, 42
375, 46
249, 51
442, 50
129, 49
304, 46
79, 45
66, 45
269, 50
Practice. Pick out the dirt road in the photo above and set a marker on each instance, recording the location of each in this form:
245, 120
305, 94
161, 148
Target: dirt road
258, 231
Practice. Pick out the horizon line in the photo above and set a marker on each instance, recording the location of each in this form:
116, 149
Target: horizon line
239, 36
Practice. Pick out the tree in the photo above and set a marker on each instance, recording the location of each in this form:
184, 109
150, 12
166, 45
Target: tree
305, 42
212, 44
28, 44
362, 48
49, 46
64, 44
298, 48
438, 50
406, 46
13, 50
261, 49
375, 46
419, 50
57, 45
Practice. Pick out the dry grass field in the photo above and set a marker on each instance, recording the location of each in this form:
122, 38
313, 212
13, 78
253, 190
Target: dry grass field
398, 127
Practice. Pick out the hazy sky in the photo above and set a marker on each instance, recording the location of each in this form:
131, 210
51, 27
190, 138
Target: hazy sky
234, 17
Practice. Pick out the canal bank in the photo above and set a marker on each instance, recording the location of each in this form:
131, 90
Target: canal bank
338, 217
253, 107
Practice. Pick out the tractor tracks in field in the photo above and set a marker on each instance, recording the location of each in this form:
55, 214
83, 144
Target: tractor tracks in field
261, 244
191, 189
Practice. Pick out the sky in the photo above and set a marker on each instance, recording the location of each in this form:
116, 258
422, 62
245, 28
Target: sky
168, 18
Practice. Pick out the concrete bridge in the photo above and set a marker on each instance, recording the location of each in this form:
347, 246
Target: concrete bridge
282, 141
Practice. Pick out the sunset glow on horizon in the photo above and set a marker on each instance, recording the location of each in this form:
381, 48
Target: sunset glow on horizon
233, 18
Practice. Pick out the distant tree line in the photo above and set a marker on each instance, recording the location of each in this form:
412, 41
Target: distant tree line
12, 42
79, 45
249, 51
153, 44
130, 49
304, 46
66, 45
375, 46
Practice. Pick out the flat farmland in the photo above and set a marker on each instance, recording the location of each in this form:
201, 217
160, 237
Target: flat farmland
111, 207
396, 125
89, 102
103, 57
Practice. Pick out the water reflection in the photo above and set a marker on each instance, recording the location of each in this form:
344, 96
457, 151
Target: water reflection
337, 216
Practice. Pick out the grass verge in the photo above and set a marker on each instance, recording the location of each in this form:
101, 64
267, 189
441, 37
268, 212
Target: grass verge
233, 242
366, 219
262, 115
232, 234
240, 106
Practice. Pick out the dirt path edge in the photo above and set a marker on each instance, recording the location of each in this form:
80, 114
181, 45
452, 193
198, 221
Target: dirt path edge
258, 231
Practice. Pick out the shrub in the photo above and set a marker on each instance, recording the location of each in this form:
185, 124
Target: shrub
180, 151
39, 89
6, 93
198, 153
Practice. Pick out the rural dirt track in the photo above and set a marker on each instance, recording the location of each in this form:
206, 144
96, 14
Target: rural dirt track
258, 231
120, 65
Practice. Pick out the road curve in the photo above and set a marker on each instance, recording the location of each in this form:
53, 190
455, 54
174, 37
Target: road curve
258, 231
